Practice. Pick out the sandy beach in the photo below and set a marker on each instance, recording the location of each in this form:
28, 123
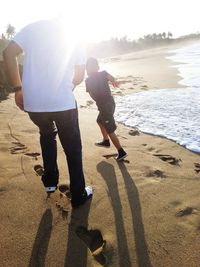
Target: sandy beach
145, 210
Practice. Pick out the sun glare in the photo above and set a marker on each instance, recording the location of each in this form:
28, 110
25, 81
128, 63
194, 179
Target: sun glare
81, 20
75, 23
94, 20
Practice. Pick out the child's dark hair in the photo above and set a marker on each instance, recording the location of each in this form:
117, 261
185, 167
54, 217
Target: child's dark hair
92, 62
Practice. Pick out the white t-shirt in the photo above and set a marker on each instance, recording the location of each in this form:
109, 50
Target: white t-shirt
49, 59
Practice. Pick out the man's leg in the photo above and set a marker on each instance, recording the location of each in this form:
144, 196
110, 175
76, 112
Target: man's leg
69, 134
48, 144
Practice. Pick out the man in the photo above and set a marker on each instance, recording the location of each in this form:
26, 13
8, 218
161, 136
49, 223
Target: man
53, 67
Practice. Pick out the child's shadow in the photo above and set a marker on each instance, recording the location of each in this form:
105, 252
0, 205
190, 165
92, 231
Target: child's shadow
108, 174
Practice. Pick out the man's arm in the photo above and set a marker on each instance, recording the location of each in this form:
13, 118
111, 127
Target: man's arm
10, 58
12, 70
79, 73
114, 82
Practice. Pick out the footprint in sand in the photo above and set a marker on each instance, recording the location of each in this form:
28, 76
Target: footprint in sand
175, 203
64, 189
89, 103
184, 212
20, 148
17, 148
124, 81
94, 241
151, 148
197, 167
134, 132
2, 190
59, 200
39, 170
64, 212
35, 155
171, 160
144, 87
156, 173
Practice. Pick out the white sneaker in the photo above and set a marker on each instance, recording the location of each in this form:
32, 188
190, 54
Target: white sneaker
89, 190
50, 189
87, 195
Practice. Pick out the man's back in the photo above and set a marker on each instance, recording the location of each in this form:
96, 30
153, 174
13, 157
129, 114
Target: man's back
48, 67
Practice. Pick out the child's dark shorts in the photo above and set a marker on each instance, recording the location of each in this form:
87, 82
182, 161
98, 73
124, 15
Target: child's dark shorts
106, 116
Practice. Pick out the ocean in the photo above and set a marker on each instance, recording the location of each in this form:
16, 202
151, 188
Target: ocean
170, 113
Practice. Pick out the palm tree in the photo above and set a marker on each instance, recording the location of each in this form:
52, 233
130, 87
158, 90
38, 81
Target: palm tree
164, 35
169, 34
10, 31
154, 35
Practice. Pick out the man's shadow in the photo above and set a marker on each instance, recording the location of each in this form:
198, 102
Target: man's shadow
108, 174
76, 254
42, 238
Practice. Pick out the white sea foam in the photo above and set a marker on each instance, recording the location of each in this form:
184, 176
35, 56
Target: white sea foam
170, 113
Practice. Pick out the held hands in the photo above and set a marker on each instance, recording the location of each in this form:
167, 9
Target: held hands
19, 99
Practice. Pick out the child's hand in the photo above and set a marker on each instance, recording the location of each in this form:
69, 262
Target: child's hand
113, 81
116, 83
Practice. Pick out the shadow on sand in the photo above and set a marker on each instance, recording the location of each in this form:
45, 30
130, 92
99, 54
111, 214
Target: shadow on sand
76, 249
42, 238
108, 173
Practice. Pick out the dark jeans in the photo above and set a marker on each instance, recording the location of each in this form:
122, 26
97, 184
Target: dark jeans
65, 124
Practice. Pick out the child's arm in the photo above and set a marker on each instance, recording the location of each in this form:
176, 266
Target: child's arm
114, 82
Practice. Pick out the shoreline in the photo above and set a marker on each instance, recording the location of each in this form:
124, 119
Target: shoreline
171, 64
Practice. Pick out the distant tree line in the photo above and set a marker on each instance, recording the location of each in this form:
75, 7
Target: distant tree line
9, 34
5, 38
116, 46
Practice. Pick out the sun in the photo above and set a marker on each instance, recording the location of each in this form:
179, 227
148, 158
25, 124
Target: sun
75, 21
84, 20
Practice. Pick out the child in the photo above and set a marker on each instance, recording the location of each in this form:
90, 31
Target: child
97, 85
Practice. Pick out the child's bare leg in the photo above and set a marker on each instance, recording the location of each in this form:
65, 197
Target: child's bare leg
121, 153
105, 142
103, 131
115, 141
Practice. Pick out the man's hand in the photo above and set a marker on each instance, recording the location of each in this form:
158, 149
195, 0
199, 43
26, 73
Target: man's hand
79, 72
19, 99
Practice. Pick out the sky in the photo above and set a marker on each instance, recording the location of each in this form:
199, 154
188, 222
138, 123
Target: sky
98, 20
